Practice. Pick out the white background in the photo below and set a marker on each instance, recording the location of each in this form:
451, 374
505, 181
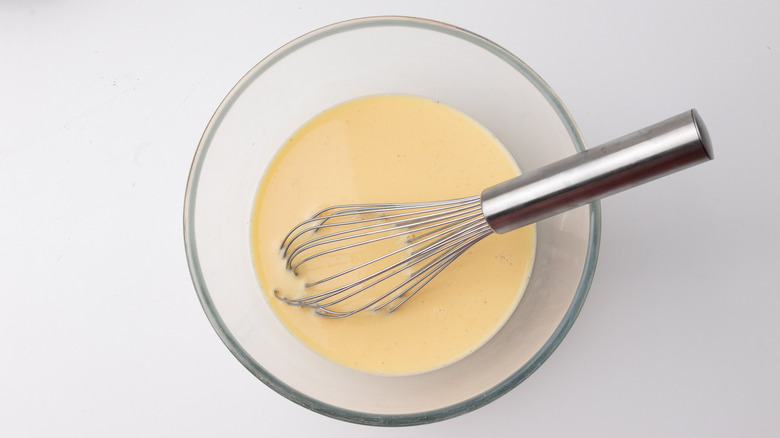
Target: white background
102, 105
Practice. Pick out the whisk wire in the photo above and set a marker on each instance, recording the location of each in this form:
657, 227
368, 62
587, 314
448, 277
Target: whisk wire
452, 249
434, 233
364, 209
440, 265
385, 221
415, 257
319, 242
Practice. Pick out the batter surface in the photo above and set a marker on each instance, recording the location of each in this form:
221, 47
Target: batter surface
393, 148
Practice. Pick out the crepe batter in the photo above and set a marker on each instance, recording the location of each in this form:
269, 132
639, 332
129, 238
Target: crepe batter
393, 148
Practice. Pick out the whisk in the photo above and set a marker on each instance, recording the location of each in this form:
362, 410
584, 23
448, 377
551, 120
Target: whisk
421, 239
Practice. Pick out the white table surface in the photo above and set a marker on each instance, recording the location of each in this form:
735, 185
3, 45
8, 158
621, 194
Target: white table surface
102, 105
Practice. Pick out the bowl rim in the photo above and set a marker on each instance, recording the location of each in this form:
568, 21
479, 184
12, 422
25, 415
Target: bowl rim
311, 403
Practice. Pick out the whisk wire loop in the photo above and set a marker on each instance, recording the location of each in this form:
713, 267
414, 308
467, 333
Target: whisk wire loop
363, 210
434, 234
421, 225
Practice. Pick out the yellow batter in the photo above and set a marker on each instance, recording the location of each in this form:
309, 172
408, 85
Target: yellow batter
393, 148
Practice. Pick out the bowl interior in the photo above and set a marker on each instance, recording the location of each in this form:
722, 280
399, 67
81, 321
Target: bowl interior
384, 55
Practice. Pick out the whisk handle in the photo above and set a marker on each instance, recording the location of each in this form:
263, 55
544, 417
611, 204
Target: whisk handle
644, 155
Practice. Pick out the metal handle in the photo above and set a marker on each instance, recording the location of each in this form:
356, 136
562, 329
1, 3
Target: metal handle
644, 155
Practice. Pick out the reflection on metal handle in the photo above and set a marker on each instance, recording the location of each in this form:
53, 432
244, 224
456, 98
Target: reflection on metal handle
639, 157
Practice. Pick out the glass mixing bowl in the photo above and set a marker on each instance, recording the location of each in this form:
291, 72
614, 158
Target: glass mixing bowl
381, 55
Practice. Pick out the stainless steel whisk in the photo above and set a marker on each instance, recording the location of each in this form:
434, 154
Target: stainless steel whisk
435, 233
